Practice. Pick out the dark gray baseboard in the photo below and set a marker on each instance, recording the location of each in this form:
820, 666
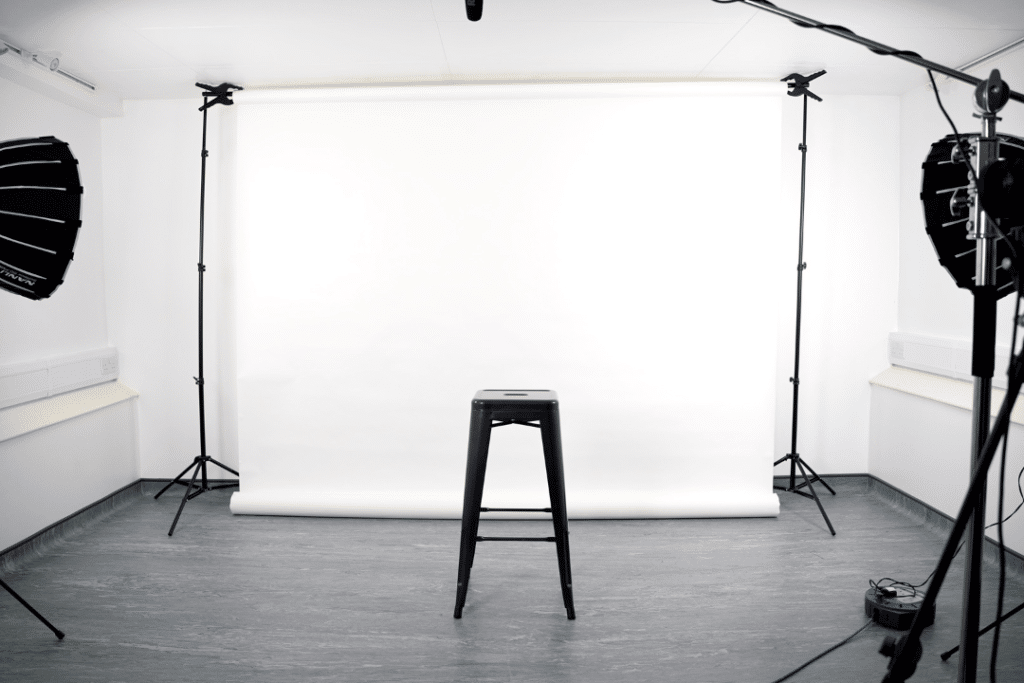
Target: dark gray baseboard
39, 543
911, 506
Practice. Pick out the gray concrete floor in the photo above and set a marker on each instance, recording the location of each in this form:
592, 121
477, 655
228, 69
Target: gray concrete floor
311, 599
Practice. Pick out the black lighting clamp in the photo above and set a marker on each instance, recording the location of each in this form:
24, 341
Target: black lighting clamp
221, 94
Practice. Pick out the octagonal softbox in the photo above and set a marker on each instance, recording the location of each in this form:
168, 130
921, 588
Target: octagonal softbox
40, 208
944, 184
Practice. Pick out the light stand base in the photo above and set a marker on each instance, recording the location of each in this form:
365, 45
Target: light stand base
200, 466
797, 462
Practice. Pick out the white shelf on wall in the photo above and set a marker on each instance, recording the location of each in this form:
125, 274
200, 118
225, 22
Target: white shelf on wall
940, 356
49, 377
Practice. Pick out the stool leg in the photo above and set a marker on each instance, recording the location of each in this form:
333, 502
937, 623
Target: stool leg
550, 434
476, 465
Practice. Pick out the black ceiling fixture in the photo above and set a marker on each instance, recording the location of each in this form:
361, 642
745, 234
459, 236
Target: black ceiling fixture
40, 214
474, 9
947, 197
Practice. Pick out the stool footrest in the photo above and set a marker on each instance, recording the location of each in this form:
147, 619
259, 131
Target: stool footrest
515, 509
549, 539
525, 423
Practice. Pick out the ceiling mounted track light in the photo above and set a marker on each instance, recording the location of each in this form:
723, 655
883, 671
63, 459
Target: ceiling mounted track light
948, 196
47, 60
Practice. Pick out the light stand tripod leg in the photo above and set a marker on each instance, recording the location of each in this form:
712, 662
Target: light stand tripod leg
176, 480
185, 498
56, 631
807, 481
952, 651
814, 476
223, 467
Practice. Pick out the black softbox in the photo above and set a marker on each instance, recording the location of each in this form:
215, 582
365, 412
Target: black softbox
947, 204
40, 208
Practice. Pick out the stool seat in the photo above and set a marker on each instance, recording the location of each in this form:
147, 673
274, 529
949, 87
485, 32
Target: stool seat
497, 408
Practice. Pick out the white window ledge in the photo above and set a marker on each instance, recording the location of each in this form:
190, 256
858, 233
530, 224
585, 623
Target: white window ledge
953, 392
28, 417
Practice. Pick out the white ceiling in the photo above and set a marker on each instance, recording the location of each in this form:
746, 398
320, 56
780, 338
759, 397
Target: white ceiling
142, 49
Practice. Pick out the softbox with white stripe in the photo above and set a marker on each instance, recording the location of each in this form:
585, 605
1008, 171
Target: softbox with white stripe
40, 208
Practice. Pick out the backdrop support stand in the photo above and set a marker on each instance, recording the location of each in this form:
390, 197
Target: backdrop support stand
797, 87
221, 94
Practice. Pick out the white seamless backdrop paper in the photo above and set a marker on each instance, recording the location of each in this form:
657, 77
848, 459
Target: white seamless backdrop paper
400, 248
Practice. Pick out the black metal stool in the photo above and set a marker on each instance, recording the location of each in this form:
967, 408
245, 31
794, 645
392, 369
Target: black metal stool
497, 408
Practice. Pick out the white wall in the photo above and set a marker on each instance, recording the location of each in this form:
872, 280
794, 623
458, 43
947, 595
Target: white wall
849, 288
919, 445
152, 178
51, 473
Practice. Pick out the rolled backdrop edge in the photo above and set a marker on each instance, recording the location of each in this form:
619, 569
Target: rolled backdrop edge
412, 506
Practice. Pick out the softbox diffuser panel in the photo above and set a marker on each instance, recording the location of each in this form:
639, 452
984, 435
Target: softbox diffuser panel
40, 209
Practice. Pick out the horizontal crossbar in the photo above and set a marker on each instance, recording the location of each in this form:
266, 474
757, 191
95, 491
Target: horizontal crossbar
549, 539
515, 509
525, 423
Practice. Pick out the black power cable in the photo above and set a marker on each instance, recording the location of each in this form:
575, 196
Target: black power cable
831, 649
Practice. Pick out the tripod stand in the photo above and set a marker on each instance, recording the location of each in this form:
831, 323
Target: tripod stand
56, 631
797, 87
221, 94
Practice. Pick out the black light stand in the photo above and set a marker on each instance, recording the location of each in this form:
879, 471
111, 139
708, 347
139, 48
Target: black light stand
991, 95
221, 94
982, 366
798, 87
